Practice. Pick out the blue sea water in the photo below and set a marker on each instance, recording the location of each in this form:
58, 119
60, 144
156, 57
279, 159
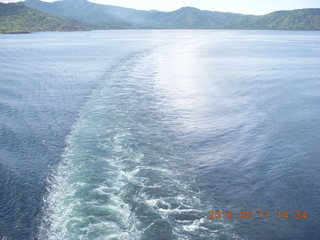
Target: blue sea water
139, 134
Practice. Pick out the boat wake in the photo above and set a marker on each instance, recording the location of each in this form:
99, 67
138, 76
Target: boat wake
120, 176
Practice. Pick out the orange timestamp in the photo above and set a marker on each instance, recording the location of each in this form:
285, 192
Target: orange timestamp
220, 215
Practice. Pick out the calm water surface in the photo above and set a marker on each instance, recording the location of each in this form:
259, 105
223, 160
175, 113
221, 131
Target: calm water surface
139, 134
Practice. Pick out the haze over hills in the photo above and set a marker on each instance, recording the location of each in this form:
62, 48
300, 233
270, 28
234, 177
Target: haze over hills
100, 16
15, 17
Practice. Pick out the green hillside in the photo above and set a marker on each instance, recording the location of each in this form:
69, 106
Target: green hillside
71, 15
100, 16
15, 17
301, 19
92, 15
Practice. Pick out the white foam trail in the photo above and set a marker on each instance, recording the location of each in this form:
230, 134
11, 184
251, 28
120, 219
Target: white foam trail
116, 179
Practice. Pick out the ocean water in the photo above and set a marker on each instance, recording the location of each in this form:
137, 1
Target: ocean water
139, 134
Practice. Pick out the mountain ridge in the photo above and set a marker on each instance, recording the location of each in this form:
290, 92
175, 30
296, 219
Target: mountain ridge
100, 16
17, 18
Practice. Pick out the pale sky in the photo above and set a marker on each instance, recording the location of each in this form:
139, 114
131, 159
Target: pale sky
239, 6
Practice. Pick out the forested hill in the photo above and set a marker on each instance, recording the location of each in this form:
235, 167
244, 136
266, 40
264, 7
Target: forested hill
16, 17
301, 19
100, 16
35, 15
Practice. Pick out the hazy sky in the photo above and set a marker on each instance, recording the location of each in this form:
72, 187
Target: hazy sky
240, 6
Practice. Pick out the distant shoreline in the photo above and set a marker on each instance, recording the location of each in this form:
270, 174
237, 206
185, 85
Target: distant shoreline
17, 32
160, 29
69, 15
